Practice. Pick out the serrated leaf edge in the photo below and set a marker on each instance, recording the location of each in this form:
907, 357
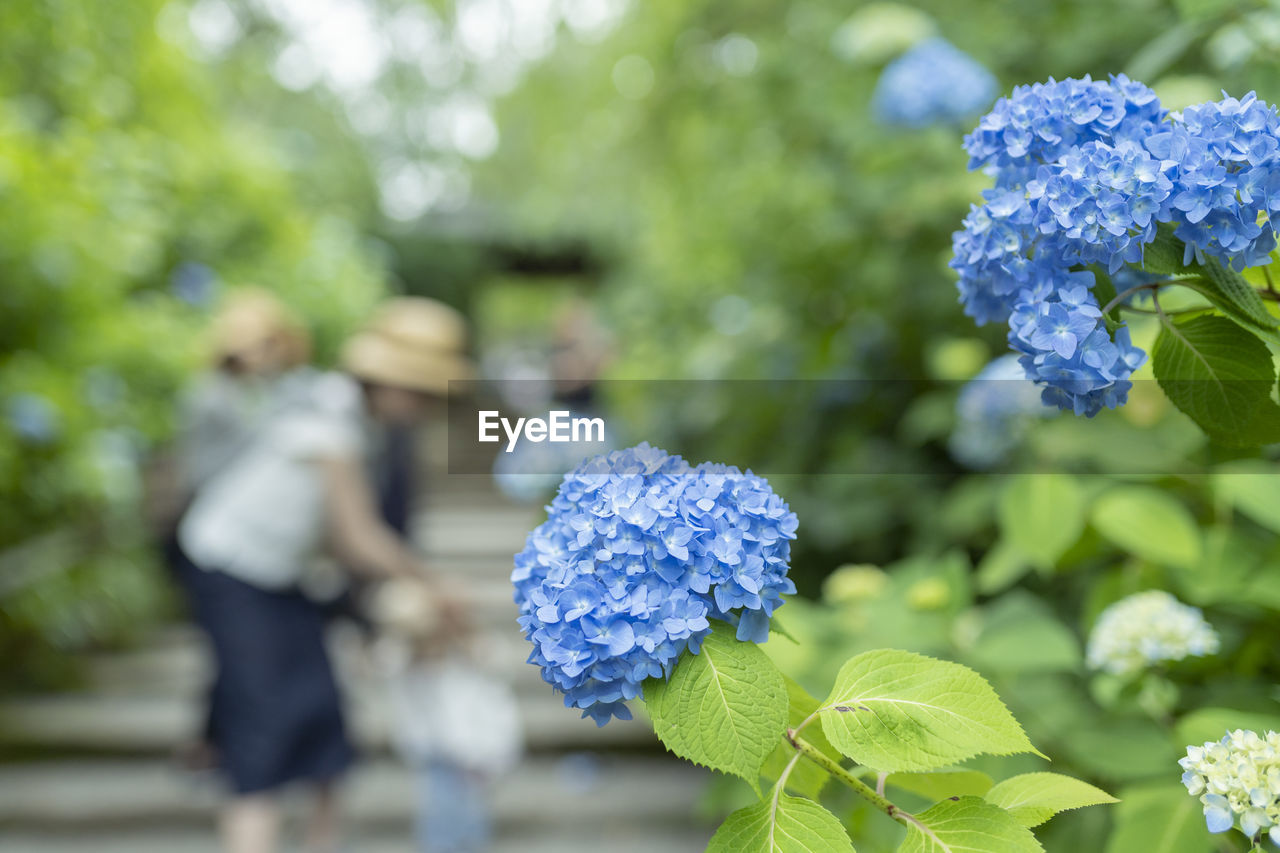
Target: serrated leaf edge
824, 706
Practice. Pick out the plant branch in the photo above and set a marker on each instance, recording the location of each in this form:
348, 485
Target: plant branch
1164, 318
862, 789
1176, 313
1122, 296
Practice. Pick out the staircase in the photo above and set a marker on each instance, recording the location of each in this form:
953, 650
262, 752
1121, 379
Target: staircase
111, 787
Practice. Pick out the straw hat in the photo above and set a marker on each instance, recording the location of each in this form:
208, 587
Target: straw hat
411, 342
250, 318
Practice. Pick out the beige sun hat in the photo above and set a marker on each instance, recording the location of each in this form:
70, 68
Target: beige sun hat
411, 342
250, 318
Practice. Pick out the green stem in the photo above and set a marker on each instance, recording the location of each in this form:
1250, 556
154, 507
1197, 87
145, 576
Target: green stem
862, 789
1271, 285
1121, 297
1179, 312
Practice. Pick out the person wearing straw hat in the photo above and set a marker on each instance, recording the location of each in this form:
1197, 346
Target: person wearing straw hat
258, 350
300, 491
258, 353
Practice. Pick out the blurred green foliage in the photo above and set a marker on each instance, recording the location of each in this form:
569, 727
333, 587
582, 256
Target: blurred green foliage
136, 184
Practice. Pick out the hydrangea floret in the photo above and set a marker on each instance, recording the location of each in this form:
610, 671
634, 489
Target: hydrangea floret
932, 83
639, 551
1145, 629
1237, 780
1085, 174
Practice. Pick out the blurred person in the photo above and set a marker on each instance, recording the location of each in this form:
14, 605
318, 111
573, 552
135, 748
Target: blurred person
580, 352
298, 491
454, 725
259, 352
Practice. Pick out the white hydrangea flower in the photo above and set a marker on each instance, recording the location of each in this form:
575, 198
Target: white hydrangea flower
1238, 782
1145, 629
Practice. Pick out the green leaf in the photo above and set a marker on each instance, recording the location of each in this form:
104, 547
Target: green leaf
1104, 290
1149, 523
1219, 378
1033, 798
724, 707
1235, 296
968, 825
1210, 292
806, 777
942, 784
1203, 9
1234, 568
781, 824
892, 710
1041, 516
1253, 488
1163, 255
1018, 634
1159, 819
1224, 288
1002, 566
776, 627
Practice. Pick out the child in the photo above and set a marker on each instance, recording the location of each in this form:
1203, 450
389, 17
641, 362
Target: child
455, 726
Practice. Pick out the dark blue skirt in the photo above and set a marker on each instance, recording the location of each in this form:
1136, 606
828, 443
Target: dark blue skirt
275, 716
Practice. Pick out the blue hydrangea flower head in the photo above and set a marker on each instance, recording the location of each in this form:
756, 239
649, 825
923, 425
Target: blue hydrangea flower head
933, 82
1224, 161
640, 550
1084, 172
1042, 122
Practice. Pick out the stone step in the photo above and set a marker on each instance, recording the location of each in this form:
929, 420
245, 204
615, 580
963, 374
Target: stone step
107, 723
119, 792
614, 838
488, 579
463, 530
581, 802
176, 662
150, 699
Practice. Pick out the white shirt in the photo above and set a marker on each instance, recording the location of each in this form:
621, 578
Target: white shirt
262, 518
451, 711
221, 414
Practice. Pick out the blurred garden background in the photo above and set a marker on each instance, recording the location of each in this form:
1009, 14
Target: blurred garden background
728, 192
